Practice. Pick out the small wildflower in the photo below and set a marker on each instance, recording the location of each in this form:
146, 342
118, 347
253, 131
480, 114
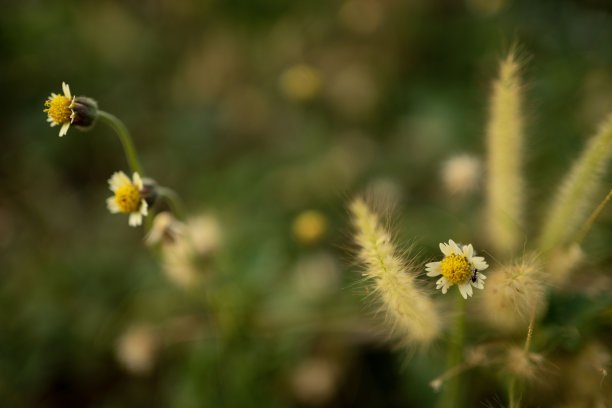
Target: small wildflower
309, 227
68, 110
301, 82
205, 233
459, 267
166, 229
128, 197
60, 109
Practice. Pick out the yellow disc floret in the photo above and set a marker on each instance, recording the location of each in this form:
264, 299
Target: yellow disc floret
128, 198
456, 268
59, 109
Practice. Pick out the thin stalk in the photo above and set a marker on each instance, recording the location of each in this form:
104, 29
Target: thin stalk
589, 223
451, 394
126, 140
513, 398
173, 200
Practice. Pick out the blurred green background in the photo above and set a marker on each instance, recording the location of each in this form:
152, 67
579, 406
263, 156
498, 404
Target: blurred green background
255, 111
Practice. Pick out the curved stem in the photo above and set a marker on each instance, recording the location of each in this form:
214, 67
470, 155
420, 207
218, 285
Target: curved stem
126, 140
173, 200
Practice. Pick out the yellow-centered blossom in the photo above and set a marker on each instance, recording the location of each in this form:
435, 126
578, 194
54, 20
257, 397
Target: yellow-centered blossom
60, 109
459, 267
128, 198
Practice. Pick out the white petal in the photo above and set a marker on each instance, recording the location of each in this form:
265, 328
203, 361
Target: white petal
135, 219
53, 124
118, 180
468, 288
433, 269
143, 207
137, 181
111, 204
462, 291
479, 263
445, 249
66, 90
444, 290
478, 284
64, 129
454, 247
468, 250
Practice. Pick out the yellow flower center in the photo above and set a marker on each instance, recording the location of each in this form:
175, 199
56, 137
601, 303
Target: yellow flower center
456, 268
128, 198
59, 109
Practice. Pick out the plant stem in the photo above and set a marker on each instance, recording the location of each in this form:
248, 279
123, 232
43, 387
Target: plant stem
589, 223
173, 200
451, 394
513, 399
126, 140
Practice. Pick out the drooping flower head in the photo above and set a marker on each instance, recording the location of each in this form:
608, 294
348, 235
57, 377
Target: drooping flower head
459, 267
60, 109
128, 197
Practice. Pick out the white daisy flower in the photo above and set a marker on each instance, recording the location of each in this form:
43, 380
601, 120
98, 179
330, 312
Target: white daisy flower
127, 198
459, 267
60, 109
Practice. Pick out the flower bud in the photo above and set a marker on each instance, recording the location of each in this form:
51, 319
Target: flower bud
85, 112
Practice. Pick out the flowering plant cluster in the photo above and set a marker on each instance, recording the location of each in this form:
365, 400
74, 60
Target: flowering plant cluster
131, 196
525, 271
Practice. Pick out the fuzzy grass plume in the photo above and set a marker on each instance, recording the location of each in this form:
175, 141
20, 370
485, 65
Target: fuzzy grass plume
409, 310
505, 195
575, 194
514, 292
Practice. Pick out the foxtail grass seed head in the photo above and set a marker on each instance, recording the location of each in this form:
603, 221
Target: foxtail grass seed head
128, 197
575, 194
524, 364
459, 267
562, 262
505, 185
60, 109
514, 293
68, 110
409, 310
461, 174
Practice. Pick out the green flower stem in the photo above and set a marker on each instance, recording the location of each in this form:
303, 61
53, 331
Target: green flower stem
126, 140
173, 200
451, 394
513, 398
589, 223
